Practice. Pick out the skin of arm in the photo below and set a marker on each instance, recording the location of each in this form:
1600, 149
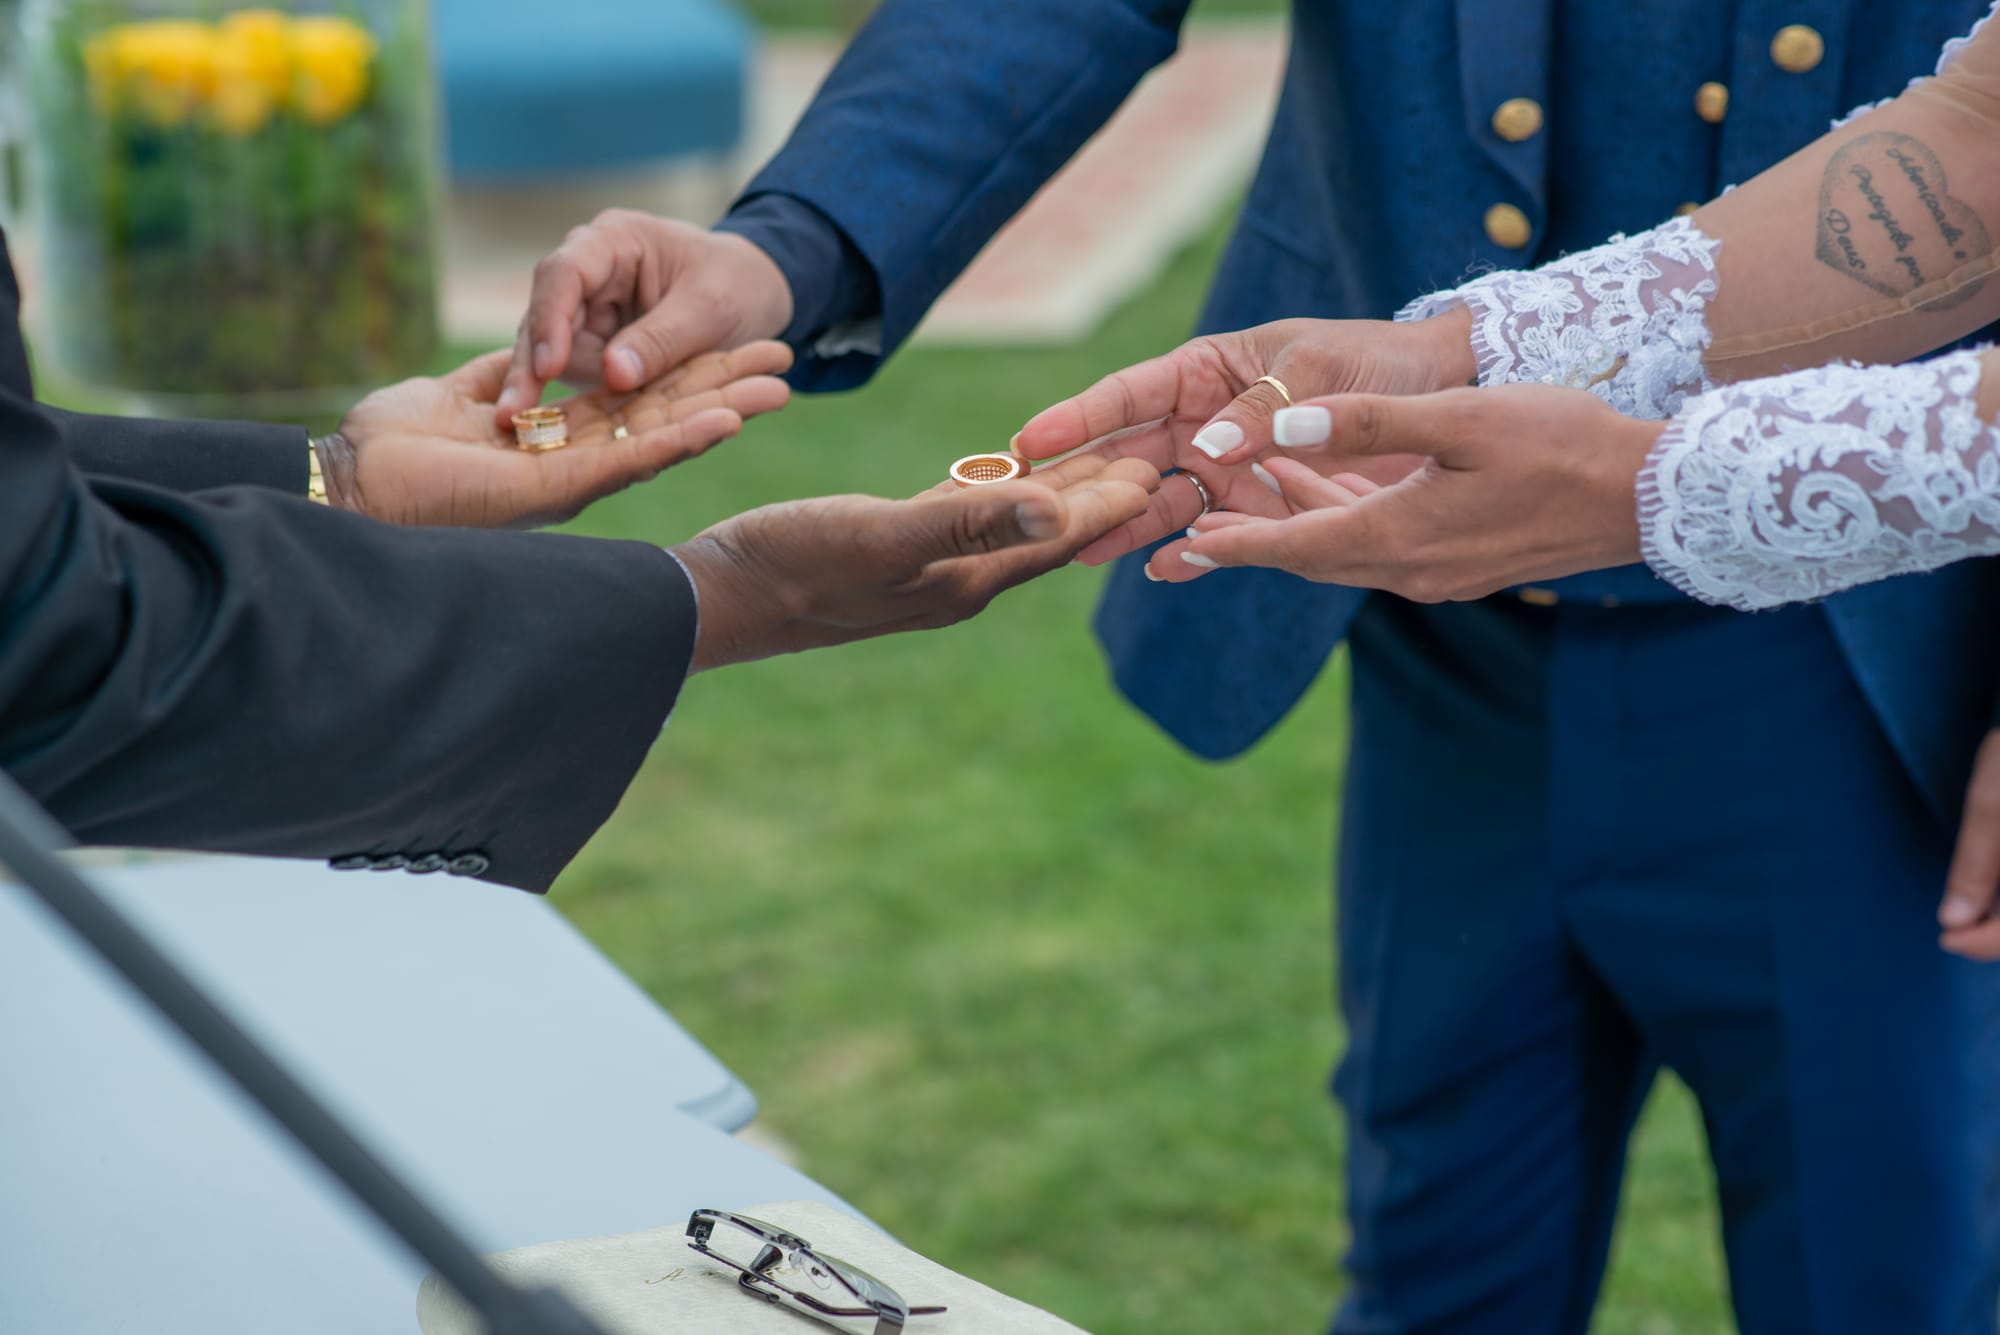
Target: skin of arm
1876, 242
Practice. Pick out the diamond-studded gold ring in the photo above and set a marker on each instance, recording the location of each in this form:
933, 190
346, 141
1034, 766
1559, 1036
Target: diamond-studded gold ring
541, 429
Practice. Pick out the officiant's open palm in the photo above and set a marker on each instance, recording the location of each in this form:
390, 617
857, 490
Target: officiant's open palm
1203, 408
431, 452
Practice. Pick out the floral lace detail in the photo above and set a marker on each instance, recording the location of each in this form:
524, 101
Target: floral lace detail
1946, 55
1780, 490
1625, 320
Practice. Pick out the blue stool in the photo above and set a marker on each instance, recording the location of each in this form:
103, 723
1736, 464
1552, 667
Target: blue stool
534, 89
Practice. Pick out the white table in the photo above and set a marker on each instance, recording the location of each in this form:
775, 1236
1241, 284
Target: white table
523, 1084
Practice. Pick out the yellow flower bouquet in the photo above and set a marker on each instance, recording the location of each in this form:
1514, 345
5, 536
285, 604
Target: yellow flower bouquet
236, 204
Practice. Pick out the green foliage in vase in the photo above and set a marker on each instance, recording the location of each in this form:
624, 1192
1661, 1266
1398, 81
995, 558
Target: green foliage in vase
237, 206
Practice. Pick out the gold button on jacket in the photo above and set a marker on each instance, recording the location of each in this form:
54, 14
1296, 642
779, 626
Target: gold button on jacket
1517, 118
1508, 226
1797, 48
1711, 102
1684, 210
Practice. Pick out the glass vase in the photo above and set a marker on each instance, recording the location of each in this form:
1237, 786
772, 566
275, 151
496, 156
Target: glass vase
235, 207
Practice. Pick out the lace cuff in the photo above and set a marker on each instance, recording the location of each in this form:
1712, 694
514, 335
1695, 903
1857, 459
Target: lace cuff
1625, 320
1780, 490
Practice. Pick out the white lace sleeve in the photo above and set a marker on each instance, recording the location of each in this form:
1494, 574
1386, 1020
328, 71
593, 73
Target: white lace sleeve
1780, 490
1625, 320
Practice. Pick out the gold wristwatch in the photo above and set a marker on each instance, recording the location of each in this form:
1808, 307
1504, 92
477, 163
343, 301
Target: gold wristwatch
315, 480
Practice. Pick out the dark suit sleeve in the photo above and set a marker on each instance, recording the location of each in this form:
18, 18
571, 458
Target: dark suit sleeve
242, 671
186, 456
940, 122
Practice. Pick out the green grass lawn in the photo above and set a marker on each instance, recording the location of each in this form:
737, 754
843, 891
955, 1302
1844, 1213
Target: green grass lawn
1048, 999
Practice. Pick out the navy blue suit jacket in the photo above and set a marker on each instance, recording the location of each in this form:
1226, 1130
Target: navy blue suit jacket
944, 117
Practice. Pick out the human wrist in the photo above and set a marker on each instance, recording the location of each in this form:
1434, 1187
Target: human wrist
765, 287
729, 598
1448, 341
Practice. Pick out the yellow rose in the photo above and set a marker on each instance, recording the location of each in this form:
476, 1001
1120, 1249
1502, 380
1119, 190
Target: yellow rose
253, 70
255, 40
330, 59
166, 67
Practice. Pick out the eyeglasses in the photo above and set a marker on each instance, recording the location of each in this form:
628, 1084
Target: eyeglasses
782, 1268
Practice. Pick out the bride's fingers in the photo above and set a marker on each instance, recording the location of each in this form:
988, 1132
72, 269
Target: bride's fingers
1176, 504
1151, 441
1221, 519
1304, 489
1242, 430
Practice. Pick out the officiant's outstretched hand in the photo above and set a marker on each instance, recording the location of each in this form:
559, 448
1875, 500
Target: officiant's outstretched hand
431, 452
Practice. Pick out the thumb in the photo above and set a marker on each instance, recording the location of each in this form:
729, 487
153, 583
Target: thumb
1355, 425
481, 378
978, 520
1975, 863
686, 323
1239, 432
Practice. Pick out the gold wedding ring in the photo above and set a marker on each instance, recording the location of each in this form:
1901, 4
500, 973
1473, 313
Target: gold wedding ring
541, 429
1276, 384
978, 470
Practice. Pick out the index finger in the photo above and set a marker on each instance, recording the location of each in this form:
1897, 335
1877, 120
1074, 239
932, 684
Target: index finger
1367, 425
583, 263
1127, 398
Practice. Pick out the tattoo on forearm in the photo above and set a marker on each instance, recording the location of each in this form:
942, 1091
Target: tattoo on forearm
1887, 219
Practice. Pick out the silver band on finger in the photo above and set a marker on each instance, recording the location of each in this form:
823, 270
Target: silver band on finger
1207, 501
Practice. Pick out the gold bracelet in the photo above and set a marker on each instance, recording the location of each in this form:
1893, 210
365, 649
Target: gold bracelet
315, 480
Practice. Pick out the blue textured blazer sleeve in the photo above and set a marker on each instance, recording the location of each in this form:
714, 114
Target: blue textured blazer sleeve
939, 123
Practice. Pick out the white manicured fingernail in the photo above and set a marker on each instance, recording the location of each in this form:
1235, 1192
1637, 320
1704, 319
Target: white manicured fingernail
1197, 559
1193, 532
1263, 475
1150, 575
1218, 438
1293, 427
1959, 912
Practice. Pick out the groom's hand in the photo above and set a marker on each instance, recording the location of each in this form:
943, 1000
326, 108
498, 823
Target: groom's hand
807, 574
630, 297
1203, 409
1970, 914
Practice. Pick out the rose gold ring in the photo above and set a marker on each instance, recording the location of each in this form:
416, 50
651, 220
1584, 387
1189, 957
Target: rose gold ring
978, 470
541, 429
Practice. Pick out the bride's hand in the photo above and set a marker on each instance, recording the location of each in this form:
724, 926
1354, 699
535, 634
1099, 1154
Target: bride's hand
430, 451
1518, 484
1203, 409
